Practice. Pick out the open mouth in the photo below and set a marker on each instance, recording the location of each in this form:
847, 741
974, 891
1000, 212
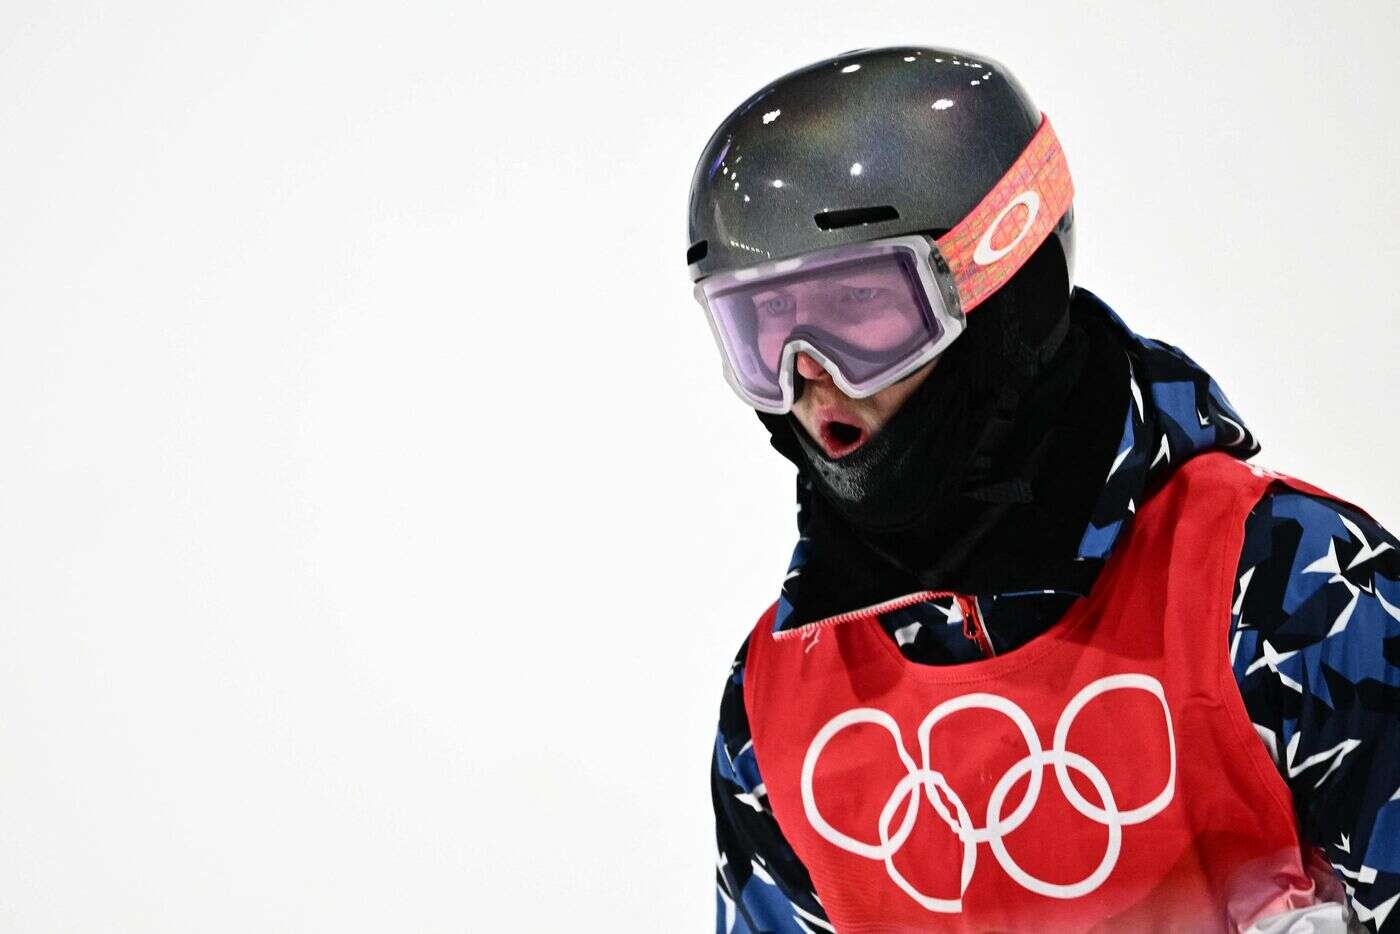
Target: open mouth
840, 438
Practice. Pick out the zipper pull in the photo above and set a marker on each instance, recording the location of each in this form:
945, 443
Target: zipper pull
973, 627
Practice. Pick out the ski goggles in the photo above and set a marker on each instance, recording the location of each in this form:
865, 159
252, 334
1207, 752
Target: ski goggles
872, 313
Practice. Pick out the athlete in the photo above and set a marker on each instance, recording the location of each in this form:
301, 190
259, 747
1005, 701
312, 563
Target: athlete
1051, 653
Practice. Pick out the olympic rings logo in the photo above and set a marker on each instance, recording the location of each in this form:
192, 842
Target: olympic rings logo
935, 788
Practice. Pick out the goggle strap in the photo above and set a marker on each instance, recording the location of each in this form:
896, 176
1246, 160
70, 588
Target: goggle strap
996, 238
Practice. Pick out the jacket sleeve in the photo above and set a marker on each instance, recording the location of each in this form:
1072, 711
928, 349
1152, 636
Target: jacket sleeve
1315, 647
762, 886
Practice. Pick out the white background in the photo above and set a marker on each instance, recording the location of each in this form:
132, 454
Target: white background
376, 529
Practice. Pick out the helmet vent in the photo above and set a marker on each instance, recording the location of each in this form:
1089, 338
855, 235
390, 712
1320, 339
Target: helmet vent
854, 217
698, 251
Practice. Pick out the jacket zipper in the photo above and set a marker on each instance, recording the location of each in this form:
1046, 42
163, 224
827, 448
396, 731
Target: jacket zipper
888, 606
973, 626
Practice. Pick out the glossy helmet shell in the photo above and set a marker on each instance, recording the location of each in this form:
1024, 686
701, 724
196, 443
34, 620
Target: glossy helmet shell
873, 143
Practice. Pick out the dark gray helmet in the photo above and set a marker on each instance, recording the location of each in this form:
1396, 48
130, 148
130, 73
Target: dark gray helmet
873, 143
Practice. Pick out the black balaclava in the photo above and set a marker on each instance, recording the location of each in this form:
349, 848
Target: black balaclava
984, 480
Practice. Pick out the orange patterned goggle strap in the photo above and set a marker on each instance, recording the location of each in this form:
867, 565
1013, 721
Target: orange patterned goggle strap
995, 239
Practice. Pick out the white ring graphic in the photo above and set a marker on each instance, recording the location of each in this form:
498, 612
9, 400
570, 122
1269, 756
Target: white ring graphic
984, 255
935, 787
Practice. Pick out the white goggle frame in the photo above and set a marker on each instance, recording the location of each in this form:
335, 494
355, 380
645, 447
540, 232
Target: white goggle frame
935, 280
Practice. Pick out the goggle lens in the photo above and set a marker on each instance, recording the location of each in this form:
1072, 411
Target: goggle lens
862, 309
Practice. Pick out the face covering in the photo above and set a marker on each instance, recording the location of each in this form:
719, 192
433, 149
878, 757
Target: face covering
984, 478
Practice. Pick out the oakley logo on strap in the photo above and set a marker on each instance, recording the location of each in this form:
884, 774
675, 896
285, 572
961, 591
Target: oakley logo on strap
923, 778
985, 255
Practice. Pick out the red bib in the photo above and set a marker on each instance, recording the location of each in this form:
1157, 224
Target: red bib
1104, 776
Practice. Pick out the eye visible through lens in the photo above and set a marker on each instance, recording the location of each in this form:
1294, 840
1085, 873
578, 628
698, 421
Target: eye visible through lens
863, 294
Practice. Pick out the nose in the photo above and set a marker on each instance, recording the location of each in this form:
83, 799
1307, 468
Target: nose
810, 369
